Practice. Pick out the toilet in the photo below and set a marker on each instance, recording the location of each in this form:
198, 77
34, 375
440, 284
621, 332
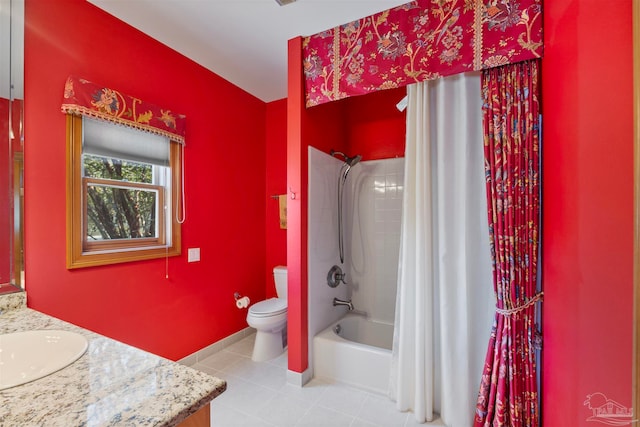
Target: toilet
269, 318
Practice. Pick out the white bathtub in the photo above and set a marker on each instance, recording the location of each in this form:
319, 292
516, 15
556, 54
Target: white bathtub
360, 355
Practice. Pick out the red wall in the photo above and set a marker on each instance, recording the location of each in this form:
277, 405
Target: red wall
297, 164
276, 184
224, 179
375, 127
587, 237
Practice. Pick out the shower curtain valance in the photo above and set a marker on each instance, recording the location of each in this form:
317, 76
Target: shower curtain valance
420, 40
82, 97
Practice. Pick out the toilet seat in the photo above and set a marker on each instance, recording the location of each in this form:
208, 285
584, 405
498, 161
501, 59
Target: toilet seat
269, 307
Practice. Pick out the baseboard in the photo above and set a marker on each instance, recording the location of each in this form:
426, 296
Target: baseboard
217, 346
299, 379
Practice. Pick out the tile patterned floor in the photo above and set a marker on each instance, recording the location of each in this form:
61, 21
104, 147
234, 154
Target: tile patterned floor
258, 396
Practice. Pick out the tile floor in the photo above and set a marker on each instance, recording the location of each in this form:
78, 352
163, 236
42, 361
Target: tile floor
258, 395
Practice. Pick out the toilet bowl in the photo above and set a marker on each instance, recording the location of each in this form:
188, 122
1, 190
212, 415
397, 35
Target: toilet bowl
269, 318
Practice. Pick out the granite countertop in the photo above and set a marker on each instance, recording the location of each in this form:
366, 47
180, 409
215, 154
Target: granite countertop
111, 384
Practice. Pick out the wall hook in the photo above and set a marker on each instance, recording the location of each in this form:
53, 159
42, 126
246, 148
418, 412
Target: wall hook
293, 194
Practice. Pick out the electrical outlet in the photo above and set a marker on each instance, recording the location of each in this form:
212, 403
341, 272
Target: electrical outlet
193, 254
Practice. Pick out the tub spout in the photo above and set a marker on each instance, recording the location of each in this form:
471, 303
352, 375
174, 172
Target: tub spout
337, 302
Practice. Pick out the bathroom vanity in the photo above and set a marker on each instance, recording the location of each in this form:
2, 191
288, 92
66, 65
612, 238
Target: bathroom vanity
110, 384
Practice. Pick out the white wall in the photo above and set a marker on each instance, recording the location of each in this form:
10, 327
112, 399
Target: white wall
373, 204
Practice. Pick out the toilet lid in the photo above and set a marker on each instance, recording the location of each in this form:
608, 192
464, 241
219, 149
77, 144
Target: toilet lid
269, 307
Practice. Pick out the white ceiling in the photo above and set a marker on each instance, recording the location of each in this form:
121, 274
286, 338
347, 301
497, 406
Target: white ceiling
243, 41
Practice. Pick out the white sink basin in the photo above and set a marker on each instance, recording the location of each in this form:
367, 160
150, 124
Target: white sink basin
28, 356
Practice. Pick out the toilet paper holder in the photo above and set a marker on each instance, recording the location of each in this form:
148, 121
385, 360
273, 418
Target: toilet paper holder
241, 302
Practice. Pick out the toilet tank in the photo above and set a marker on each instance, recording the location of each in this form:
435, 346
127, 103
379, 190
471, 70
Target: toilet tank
280, 277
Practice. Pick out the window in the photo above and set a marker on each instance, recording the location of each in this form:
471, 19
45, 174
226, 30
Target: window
123, 195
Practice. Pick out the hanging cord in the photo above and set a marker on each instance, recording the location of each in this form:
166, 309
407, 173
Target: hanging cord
166, 262
183, 209
181, 214
507, 312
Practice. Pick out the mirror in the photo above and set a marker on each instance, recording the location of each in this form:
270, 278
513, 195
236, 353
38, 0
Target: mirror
11, 145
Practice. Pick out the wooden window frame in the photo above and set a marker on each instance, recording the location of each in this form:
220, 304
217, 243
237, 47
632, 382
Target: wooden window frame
79, 253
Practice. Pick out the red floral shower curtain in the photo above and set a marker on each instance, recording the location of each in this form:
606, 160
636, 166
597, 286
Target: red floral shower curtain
508, 391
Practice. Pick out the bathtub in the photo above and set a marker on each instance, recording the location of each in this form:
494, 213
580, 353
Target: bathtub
359, 354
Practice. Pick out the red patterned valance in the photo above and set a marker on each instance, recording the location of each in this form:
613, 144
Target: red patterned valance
84, 98
420, 40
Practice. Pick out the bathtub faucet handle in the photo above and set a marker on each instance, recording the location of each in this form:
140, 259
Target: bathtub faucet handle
348, 304
335, 276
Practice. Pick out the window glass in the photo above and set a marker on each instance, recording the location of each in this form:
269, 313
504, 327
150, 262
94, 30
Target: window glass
117, 207
117, 169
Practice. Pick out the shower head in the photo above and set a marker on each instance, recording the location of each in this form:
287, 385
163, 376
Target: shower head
351, 161
348, 160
